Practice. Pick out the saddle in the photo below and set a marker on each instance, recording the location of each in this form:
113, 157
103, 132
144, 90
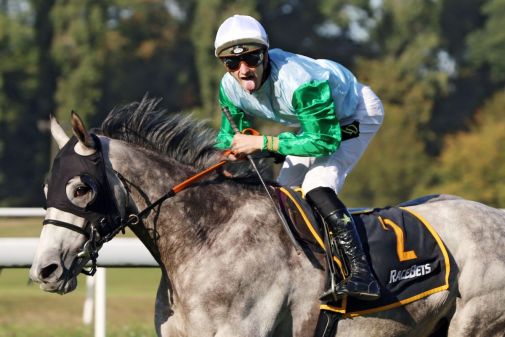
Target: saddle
406, 254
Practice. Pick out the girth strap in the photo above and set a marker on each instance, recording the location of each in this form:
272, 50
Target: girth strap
327, 323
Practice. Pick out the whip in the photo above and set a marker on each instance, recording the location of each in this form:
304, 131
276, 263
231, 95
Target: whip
228, 116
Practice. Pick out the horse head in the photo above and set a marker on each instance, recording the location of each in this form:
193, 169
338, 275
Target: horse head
86, 203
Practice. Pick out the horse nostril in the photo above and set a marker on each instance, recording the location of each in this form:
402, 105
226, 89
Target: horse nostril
48, 270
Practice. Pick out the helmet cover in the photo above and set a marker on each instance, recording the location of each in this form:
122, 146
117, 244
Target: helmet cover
240, 31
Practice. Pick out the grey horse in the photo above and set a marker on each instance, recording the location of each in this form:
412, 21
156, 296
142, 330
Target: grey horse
228, 267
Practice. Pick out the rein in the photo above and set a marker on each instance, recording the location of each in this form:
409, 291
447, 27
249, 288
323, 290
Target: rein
134, 219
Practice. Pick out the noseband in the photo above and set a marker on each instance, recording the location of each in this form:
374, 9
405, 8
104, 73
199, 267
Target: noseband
89, 250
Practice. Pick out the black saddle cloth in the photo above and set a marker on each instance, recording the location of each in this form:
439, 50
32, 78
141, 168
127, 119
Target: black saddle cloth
406, 254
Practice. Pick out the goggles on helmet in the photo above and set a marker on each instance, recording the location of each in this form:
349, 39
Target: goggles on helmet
252, 60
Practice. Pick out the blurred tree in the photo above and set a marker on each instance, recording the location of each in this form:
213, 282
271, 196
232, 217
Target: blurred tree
318, 29
26, 82
453, 110
148, 50
78, 51
406, 77
487, 44
472, 164
433, 63
87, 57
472, 34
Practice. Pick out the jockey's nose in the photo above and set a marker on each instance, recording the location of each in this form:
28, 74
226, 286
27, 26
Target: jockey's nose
244, 68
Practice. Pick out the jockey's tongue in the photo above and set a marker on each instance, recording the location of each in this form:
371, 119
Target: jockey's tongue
249, 83
249, 80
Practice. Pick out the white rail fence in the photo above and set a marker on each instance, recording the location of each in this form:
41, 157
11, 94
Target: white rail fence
16, 252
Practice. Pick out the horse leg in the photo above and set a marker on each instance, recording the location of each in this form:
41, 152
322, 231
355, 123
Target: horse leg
481, 316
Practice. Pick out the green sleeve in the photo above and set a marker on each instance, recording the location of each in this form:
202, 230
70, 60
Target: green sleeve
226, 132
320, 129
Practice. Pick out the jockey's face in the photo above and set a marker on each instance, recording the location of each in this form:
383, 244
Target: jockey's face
247, 69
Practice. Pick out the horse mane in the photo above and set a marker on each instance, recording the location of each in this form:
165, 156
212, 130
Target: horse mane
179, 136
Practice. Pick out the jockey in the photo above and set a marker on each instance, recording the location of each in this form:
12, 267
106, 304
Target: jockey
327, 103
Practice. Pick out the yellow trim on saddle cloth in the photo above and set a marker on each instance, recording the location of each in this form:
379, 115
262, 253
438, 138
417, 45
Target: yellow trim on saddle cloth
343, 309
440, 244
310, 227
400, 242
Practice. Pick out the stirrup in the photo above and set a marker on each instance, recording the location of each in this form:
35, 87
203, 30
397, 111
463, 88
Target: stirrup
369, 295
334, 293
331, 295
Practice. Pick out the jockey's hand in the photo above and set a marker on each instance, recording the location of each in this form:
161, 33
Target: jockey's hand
230, 156
243, 145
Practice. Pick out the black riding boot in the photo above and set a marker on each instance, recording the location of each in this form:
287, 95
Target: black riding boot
360, 282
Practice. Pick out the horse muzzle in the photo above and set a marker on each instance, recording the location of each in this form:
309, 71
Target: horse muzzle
53, 277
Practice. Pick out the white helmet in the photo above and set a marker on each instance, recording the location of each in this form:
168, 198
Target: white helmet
240, 30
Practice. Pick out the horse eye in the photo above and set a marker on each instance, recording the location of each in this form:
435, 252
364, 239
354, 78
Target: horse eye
81, 191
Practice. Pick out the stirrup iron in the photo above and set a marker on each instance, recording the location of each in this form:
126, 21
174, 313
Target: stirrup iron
332, 294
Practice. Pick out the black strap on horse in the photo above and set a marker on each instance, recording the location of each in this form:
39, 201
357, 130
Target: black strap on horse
297, 246
327, 323
134, 219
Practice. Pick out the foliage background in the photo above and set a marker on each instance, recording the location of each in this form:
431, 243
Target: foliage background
438, 66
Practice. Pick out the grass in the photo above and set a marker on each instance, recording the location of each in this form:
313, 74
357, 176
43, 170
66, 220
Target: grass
20, 227
27, 311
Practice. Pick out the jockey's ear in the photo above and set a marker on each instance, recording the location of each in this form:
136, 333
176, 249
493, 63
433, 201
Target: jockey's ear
86, 145
59, 135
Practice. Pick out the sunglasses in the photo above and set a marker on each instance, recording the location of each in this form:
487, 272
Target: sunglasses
252, 60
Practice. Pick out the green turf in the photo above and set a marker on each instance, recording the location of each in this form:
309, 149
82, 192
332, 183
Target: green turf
29, 227
10, 330
20, 227
27, 311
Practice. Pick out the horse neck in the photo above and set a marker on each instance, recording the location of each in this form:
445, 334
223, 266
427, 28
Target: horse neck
180, 226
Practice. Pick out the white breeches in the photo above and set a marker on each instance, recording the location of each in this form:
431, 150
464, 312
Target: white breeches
331, 171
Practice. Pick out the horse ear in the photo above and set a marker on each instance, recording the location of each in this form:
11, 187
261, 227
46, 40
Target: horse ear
59, 135
86, 145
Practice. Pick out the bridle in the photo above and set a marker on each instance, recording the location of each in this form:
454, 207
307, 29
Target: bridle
105, 228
